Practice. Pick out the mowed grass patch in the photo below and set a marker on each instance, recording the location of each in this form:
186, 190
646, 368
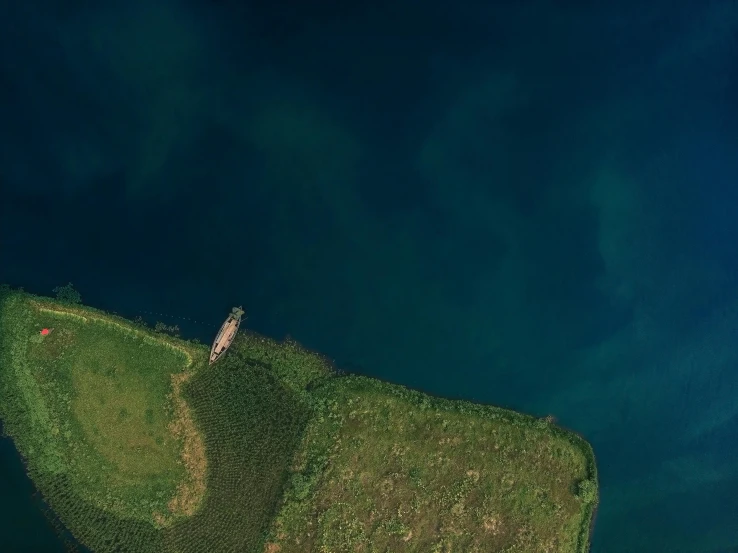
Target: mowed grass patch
383, 469
107, 389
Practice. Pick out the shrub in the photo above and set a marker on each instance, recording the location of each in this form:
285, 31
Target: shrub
164, 329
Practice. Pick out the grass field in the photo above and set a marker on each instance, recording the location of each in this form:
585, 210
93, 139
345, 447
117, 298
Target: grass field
100, 393
383, 469
139, 446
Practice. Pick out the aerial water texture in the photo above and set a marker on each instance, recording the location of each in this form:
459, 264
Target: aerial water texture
531, 205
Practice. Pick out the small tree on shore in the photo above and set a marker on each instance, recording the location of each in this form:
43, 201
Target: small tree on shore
67, 294
587, 491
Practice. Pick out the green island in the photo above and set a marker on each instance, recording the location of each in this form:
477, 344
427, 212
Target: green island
138, 445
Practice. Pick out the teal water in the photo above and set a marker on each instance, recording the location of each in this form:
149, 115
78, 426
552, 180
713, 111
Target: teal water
526, 205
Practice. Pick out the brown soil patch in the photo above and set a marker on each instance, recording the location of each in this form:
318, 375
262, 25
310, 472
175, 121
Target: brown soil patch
190, 492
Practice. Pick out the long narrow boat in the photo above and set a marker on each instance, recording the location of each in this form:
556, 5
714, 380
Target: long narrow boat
226, 334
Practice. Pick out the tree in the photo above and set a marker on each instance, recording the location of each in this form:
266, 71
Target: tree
587, 491
67, 294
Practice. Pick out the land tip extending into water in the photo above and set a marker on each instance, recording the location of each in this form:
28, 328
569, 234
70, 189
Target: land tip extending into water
138, 445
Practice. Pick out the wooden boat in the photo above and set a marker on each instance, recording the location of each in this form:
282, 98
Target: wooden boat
226, 334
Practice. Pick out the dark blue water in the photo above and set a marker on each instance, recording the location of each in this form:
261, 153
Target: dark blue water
530, 205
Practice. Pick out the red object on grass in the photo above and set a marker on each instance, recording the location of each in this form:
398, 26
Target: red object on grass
44, 332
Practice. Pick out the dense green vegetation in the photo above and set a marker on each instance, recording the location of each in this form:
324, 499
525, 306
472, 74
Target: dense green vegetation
383, 468
251, 423
114, 419
138, 445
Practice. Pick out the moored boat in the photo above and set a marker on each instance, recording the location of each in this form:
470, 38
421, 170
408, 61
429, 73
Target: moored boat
226, 334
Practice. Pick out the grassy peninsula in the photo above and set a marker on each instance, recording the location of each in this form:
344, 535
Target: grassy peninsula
138, 445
